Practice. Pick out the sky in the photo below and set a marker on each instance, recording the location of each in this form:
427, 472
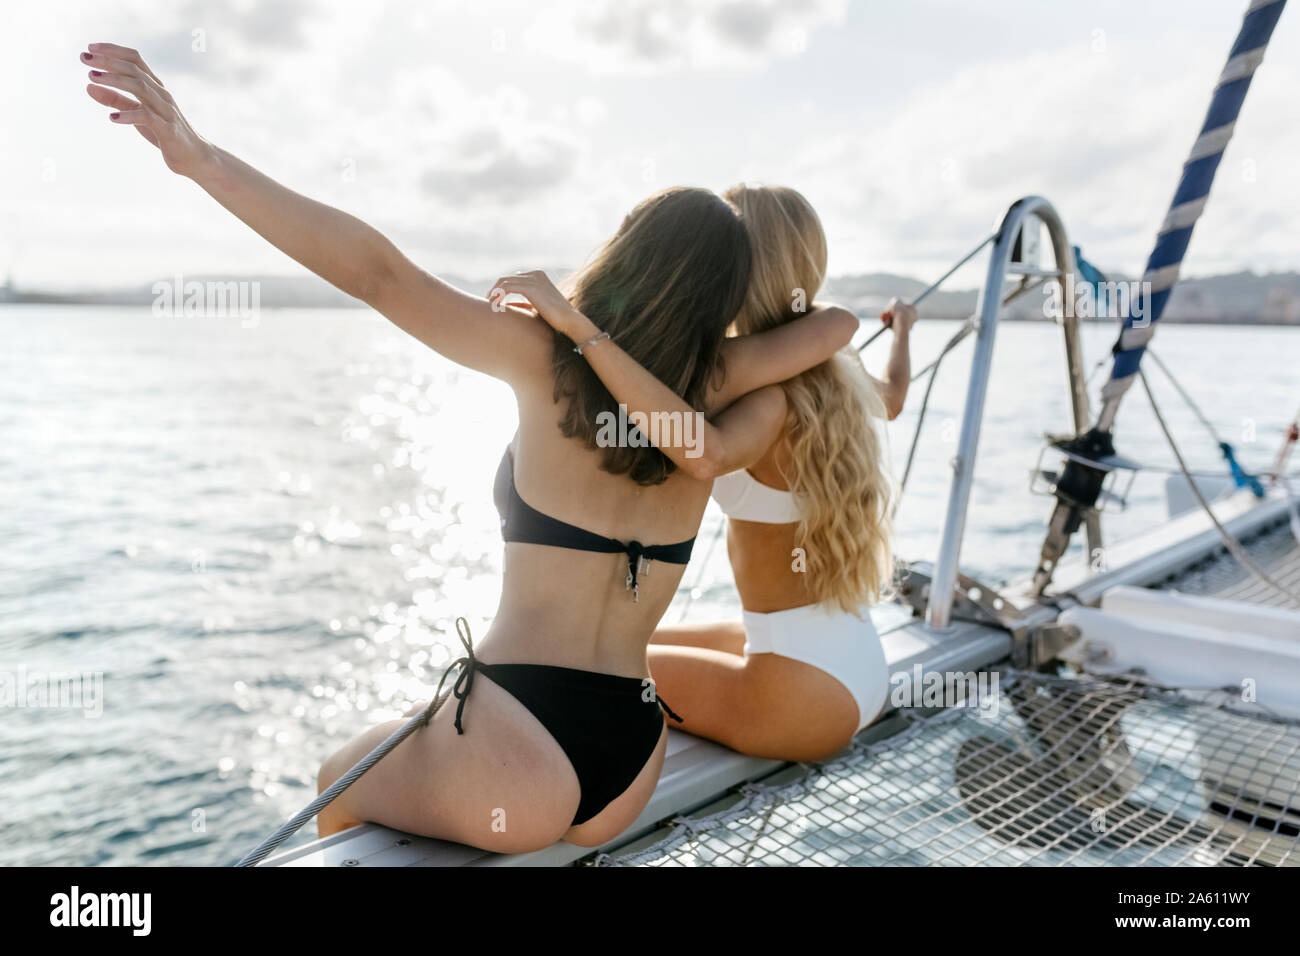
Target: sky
485, 137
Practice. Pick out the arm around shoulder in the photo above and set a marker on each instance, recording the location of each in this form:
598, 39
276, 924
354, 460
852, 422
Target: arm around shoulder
738, 436
766, 358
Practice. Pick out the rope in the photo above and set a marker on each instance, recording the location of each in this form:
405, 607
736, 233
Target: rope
1241, 478
1291, 436
299, 819
1167, 470
327, 796
935, 284
1196, 409
1231, 543
967, 327
1096, 368
1293, 511
933, 368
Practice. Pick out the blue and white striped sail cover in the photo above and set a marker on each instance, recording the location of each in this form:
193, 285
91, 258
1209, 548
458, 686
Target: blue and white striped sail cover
1193, 189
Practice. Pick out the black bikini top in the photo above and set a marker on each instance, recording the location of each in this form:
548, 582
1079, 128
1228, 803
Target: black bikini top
524, 523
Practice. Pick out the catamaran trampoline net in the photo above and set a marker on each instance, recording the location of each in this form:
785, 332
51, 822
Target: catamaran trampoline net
1084, 771
1222, 576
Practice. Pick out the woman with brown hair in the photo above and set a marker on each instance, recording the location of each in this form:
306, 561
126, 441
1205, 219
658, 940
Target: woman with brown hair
555, 731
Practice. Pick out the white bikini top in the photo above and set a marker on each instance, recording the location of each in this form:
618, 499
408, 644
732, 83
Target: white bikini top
744, 497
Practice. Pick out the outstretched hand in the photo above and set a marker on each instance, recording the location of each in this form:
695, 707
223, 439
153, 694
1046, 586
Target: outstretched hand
899, 315
546, 300
153, 111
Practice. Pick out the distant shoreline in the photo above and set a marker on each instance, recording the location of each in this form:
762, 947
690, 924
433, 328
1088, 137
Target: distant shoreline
948, 316
1241, 298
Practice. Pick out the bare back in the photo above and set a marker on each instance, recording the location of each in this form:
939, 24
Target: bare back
573, 608
762, 554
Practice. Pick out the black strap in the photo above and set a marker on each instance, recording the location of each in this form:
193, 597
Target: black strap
668, 710
464, 680
469, 665
521, 522
634, 552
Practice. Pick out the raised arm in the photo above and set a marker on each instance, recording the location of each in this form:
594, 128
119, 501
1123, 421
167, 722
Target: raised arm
338, 247
898, 372
730, 440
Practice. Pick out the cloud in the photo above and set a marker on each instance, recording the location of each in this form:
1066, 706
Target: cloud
1102, 137
465, 179
464, 147
478, 155
236, 41
646, 36
484, 166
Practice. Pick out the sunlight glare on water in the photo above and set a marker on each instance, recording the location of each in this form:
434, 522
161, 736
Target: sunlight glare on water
260, 538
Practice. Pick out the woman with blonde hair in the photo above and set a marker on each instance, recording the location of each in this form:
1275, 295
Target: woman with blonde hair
808, 529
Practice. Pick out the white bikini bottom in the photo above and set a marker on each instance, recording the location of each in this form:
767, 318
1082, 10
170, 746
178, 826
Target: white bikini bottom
846, 647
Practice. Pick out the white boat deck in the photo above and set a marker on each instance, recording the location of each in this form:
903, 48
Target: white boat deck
1275, 550
695, 772
698, 772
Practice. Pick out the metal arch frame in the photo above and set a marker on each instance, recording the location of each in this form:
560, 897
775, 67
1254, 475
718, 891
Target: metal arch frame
939, 608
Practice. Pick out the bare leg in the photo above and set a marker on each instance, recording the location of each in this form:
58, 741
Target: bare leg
764, 705
726, 636
514, 794
622, 812
504, 785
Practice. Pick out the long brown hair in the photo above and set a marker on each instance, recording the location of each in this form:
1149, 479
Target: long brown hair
838, 469
665, 287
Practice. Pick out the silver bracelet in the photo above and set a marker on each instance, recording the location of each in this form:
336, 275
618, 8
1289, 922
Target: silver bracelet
590, 342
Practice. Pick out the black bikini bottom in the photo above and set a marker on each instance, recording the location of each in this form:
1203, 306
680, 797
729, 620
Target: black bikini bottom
608, 726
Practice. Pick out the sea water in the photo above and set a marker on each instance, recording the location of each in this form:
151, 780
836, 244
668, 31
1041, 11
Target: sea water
255, 536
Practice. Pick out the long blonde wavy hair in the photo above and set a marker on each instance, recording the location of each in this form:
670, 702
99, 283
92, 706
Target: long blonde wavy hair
838, 468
